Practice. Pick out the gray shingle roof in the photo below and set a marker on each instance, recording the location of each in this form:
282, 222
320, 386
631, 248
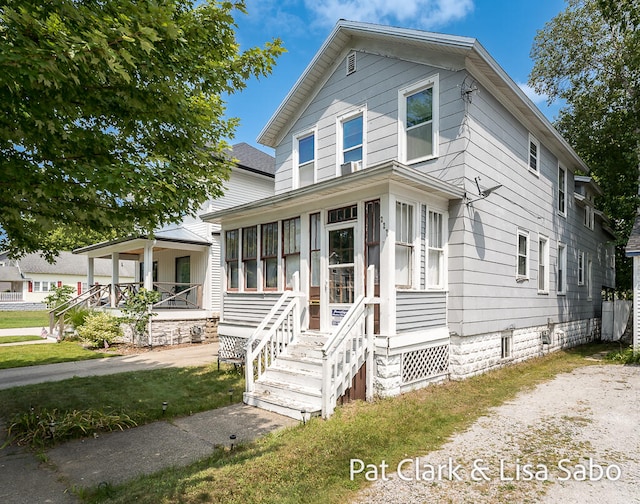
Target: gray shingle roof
68, 263
252, 159
633, 245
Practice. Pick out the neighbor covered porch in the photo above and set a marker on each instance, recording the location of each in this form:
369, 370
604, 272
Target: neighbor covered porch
174, 263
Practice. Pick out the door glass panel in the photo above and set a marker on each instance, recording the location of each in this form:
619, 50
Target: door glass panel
341, 266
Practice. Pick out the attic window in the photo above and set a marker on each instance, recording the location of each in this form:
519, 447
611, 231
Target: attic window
351, 63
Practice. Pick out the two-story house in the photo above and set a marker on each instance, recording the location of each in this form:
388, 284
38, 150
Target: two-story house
428, 222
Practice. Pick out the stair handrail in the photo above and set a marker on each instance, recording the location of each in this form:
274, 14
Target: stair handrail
59, 311
291, 313
343, 342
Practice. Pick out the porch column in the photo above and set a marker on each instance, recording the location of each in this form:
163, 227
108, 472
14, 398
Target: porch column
147, 276
115, 277
388, 266
636, 304
90, 269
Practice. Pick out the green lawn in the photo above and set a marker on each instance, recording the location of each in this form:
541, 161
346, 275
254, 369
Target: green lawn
138, 394
35, 355
11, 319
310, 463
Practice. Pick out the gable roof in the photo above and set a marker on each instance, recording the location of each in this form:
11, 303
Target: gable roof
447, 51
254, 160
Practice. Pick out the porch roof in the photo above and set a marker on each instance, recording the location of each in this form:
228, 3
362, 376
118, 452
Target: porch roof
133, 246
11, 274
347, 184
633, 245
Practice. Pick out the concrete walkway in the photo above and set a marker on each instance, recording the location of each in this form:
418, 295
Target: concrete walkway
119, 456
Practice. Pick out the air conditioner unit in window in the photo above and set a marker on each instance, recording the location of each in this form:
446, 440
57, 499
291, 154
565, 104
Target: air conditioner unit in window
350, 167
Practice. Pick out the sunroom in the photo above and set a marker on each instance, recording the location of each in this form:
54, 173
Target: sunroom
320, 241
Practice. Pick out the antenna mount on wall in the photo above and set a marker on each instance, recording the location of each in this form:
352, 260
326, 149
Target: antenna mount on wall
482, 193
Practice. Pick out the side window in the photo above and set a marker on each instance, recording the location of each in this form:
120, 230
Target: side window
534, 154
522, 268
562, 269
418, 109
543, 265
305, 156
562, 190
435, 277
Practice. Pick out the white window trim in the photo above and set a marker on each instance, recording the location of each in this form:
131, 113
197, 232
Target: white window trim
581, 267
562, 261
361, 111
545, 289
414, 245
533, 140
562, 212
295, 176
443, 250
431, 82
589, 277
522, 232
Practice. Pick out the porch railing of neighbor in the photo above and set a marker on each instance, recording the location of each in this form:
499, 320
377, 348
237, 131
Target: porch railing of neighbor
349, 347
11, 296
276, 331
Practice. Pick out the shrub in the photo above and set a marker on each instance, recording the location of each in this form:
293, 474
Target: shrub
39, 428
137, 311
77, 315
59, 296
626, 356
100, 329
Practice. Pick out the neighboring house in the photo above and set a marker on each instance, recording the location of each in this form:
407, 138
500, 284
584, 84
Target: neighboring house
412, 161
633, 250
182, 261
31, 278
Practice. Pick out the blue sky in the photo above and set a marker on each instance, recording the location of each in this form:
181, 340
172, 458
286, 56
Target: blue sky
506, 28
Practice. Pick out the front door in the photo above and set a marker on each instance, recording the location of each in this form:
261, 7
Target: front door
341, 266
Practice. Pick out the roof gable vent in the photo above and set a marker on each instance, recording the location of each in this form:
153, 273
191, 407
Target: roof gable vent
351, 63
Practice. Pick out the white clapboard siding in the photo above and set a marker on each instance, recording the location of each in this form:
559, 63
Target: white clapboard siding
418, 310
248, 308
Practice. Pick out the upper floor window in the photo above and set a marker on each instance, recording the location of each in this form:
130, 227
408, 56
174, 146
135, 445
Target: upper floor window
588, 211
352, 139
305, 151
418, 110
404, 244
562, 190
522, 268
534, 154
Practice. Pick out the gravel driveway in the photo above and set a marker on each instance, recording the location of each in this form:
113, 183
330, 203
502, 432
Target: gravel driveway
575, 439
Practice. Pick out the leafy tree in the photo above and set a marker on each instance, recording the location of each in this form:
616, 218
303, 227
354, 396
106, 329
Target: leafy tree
589, 57
113, 119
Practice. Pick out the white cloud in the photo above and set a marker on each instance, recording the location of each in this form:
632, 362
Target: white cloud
425, 14
538, 99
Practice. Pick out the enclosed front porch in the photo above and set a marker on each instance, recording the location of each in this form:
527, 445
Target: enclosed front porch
385, 226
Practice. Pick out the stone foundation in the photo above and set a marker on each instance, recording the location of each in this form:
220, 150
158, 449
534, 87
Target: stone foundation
176, 332
472, 355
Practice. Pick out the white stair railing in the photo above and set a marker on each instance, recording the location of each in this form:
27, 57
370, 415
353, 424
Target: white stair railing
348, 349
265, 345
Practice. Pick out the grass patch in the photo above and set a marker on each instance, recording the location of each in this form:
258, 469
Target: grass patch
624, 356
35, 355
12, 319
17, 339
134, 395
310, 463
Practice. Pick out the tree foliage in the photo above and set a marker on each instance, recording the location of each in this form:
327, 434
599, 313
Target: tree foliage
113, 118
589, 57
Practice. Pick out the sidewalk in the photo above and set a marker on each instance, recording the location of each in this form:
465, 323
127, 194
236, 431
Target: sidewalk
119, 456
